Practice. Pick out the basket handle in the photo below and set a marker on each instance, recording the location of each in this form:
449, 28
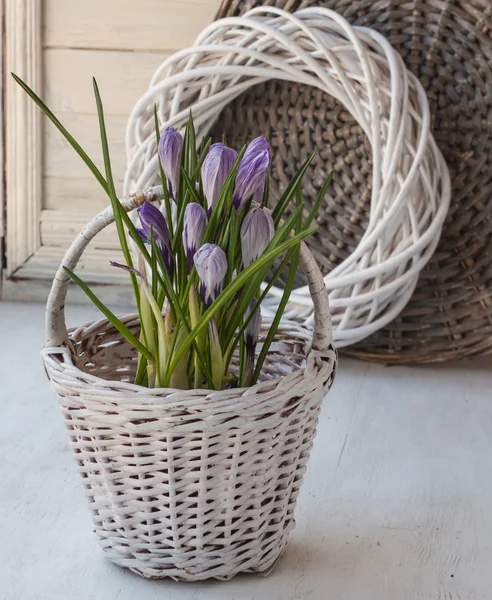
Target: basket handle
56, 330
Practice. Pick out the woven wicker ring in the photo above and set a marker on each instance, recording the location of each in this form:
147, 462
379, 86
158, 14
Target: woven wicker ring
358, 67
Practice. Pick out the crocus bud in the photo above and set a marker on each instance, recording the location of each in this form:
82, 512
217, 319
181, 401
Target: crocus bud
211, 265
256, 233
251, 171
252, 330
152, 220
194, 225
215, 169
170, 146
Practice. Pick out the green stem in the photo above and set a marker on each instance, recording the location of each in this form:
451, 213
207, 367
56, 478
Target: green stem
249, 366
216, 357
179, 376
161, 351
194, 318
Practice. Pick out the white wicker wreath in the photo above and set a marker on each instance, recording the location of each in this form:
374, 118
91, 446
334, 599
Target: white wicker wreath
358, 67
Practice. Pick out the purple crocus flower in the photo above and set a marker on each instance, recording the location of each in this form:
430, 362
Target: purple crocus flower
170, 146
215, 169
251, 171
256, 233
152, 220
211, 265
194, 225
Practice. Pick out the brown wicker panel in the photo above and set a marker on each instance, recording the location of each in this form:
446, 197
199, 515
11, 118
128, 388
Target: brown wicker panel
448, 45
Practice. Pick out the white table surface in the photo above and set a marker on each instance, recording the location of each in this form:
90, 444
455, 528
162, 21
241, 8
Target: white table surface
396, 503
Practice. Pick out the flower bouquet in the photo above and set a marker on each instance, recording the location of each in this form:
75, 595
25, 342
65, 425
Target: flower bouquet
192, 421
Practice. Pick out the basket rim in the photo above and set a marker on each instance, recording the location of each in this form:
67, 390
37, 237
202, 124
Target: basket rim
59, 359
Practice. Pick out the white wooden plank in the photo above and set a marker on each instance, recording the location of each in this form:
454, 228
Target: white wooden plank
122, 78
2, 151
159, 25
116, 296
396, 504
76, 193
62, 161
93, 267
60, 227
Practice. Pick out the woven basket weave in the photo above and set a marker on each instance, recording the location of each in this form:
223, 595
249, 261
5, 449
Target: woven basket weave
188, 484
448, 45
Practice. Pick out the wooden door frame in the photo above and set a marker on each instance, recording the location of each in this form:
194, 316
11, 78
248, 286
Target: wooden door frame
23, 138
30, 265
2, 144
35, 238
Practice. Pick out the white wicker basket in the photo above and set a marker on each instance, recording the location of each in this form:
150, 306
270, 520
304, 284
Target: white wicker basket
358, 66
188, 484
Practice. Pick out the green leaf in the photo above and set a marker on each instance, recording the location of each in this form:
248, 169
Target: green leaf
298, 204
285, 296
141, 375
196, 173
282, 204
319, 200
266, 191
190, 187
284, 230
191, 144
242, 361
112, 318
115, 203
278, 315
253, 284
153, 263
233, 245
235, 286
264, 294
70, 139
178, 311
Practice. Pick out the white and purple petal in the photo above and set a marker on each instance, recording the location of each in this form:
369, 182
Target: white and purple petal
194, 225
257, 231
215, 169
251, 171
154, 222
170, 146
211, 265
125, 268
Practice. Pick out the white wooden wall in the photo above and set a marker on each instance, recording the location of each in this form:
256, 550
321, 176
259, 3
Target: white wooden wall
57, 46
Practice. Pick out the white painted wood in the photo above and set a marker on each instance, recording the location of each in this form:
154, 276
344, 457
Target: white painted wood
79, 40
121, 76
396, 504
23, 166
2, 152
62, 161
117, 297
94, 267
75, 193
60, 227
125, 24
67, 182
